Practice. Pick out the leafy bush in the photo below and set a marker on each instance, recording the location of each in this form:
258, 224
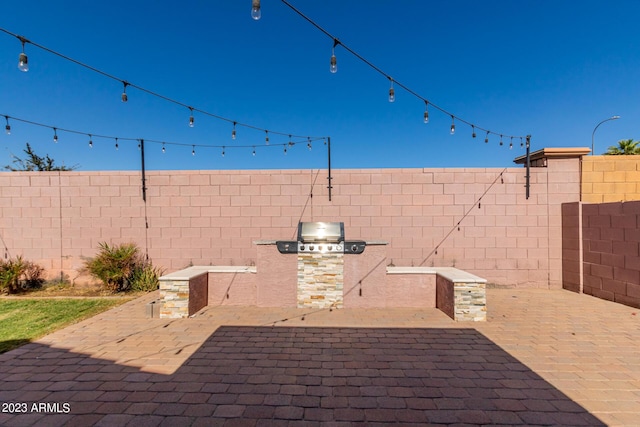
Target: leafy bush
122, 268
145, 278
17, 275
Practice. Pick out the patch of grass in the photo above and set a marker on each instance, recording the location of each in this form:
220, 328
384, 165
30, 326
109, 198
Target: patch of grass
24, 319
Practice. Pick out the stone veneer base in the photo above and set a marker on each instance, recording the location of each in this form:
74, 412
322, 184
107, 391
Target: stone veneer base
320, 280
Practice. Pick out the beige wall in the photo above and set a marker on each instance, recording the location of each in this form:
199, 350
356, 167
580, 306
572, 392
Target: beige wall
212, 217
610, 178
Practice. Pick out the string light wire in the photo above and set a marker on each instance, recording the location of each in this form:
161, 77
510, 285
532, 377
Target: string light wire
127, 84
380, 71
57, 129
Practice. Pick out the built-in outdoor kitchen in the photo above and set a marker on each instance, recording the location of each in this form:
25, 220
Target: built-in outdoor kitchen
323, 270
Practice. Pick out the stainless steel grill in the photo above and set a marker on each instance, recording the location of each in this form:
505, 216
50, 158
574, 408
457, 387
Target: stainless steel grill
321, 237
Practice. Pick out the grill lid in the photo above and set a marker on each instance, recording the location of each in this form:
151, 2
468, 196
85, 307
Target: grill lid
320, 232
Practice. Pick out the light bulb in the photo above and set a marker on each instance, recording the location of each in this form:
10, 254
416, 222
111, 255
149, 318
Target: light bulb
486, 138
164, 150
521, 143
90, 142
309, 144
255, 9
191, 119
501, 140
7, 128
193, 150
23, 62
511, 144
473, 131
285, 150
266, 138
392, 92
124, 92
453, 126
254, 151
426, 112
55, 135
222, 151
233, 132
117, 143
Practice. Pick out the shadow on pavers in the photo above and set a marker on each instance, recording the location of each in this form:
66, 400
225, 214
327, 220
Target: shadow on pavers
273, 375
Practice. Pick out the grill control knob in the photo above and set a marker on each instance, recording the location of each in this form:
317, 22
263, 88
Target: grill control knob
354, 248
311, 247
302, 247
338, 248
329, 247
320, 248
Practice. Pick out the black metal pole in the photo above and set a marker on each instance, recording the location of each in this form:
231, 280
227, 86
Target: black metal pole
144, 181
329, 165
528, 176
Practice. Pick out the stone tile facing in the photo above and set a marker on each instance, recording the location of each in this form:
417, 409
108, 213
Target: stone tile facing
175, 298
470, 301
320, 280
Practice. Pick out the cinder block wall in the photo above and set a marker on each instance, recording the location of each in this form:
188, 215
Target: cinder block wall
212, 217
610, 178
611, 251
572, 277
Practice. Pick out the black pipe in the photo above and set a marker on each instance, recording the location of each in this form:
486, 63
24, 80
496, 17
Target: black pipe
528, 176
329, 165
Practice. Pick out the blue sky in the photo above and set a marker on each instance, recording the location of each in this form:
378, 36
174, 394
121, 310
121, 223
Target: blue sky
552, 69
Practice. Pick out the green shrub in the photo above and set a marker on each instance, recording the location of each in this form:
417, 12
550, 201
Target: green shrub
17, 275
123, 268
145, 278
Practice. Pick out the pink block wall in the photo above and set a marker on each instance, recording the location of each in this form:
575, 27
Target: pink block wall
611, 241
212, 217
571, 235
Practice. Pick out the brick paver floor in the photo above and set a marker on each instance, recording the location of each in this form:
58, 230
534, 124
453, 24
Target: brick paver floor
543, 358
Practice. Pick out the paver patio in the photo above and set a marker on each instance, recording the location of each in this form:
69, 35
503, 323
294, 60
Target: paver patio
543, 358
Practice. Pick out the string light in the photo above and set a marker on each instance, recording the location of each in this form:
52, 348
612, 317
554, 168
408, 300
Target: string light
23, 61
511, 144
223, 151
309, 144
163, 144
521, 143
473, 131
193, 150
233, 132
7, 128
124, 96
501, 140
380, 71
191, 119
333, 66
285, 150
254, 151
149, 92
426, 111
486, 138
453, 125
266, 138
255, 9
